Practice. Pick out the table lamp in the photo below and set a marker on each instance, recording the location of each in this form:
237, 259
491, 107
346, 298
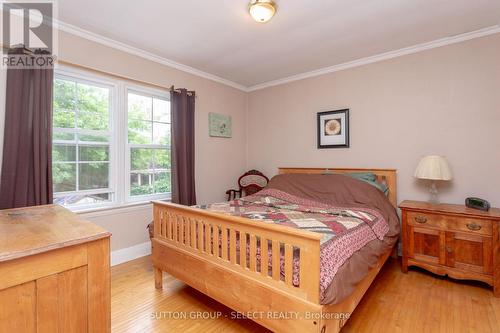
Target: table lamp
433, 168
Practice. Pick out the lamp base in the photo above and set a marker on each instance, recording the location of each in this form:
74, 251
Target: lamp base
433, 193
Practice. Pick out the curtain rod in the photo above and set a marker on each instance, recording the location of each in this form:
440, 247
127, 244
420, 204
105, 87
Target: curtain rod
189, 92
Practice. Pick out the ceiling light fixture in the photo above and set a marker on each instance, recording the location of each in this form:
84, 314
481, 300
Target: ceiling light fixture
262, 10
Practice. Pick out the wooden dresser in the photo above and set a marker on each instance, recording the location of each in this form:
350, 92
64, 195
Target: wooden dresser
452, 240
54, 272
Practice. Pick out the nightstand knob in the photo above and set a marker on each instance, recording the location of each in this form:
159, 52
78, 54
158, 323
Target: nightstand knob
449, 249
420, 219
473, 226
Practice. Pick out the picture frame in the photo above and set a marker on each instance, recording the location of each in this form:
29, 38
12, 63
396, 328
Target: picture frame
333, 129
220, 125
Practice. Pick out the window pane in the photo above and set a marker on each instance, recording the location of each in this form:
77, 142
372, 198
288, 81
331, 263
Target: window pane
141, 159
161, 110
93, 138
64, 176
162, 159
92, 99
75, 199
92, 153
93, 176
162, 182
64, 95
141, 183
79, 166
139, 132
64, 136
141, 176
139, 107
62, 153
161, 134
93, 121
63, 119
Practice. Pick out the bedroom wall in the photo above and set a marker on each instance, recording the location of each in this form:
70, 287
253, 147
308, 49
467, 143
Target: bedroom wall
219, 161
442, 101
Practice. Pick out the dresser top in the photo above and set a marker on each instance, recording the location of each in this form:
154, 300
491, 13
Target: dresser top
493, 213
32, 230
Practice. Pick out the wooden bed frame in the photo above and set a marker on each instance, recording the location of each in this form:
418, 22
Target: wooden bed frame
256, 293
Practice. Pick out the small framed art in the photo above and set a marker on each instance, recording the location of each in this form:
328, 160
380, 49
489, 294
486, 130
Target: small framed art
333, 129
219, 125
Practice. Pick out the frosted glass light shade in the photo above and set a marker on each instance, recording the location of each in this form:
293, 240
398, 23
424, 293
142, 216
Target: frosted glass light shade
262, 10
433, 167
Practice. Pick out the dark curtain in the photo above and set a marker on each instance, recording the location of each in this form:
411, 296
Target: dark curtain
182, 106
27, 148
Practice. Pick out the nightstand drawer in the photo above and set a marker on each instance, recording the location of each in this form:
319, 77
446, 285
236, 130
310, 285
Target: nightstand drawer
475, 226
418, 219
446, 222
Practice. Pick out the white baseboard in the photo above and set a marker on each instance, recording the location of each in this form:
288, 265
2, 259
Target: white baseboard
130, 253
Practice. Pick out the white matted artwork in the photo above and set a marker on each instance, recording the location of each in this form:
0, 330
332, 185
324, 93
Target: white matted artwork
219, 125
333, 129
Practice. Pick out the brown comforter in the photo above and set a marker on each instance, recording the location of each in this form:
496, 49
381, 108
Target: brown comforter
340, 190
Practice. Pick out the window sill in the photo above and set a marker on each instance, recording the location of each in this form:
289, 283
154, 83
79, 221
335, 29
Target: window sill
114, 209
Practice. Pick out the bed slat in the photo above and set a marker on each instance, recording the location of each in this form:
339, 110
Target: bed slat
199, 234
276, 260
169, 225
243, 250
193, 233
232, 246
208, 245
288, 264
215, 244
163, 219
224, 243
253, 253
182, 231
264, 257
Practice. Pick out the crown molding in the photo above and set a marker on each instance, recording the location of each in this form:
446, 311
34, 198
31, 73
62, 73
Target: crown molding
71, 29
380, 57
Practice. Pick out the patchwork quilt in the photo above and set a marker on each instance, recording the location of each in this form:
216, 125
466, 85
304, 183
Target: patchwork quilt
344, 230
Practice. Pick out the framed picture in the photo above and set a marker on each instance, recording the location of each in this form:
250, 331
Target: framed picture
219, 125
333, 129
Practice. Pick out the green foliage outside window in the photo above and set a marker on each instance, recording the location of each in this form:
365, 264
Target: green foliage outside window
86, 107
82, 106
149, 124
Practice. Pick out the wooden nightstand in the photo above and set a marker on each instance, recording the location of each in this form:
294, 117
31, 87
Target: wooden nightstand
452, 240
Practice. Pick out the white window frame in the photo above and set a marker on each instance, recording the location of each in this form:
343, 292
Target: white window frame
119, 148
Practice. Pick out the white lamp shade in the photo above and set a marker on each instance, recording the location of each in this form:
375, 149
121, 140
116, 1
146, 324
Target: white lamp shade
433, 167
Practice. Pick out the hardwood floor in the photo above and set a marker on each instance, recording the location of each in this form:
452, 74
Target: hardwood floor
396, 302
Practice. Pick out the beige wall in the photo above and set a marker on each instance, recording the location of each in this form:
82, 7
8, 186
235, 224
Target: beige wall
442, 101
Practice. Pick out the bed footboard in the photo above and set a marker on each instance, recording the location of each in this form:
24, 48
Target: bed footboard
246, 265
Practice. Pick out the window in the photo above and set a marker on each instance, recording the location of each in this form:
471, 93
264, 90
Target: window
149, 144
81, 146
97, 160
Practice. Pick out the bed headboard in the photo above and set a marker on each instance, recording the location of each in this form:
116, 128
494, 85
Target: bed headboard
386, 176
